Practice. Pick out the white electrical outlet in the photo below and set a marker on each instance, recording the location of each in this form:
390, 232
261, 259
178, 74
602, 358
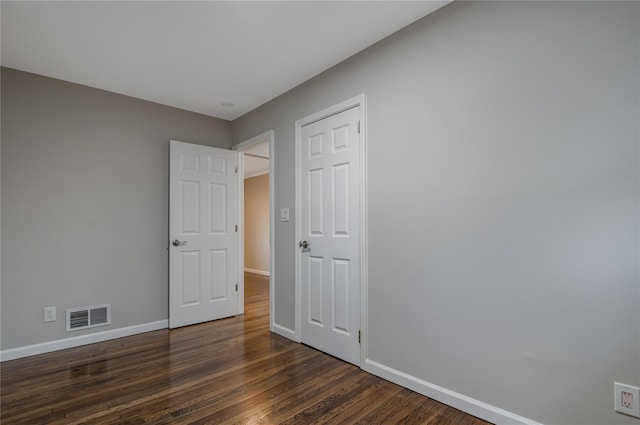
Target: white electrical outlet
49, 314
627, 399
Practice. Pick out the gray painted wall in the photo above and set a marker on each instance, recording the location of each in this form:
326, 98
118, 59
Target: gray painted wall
503, 201
85, 203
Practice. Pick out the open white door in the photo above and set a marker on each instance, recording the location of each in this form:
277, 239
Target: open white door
329, 196
204, 215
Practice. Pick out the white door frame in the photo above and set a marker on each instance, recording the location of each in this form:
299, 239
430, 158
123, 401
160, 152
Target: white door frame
360, 101
267, 136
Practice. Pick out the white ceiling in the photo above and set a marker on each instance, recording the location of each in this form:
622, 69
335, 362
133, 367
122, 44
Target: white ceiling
197, 55
256, 165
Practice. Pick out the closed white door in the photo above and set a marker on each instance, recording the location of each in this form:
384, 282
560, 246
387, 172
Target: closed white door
330, 235
203, 231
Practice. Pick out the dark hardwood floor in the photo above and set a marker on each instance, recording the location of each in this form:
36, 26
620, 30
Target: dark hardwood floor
231, 371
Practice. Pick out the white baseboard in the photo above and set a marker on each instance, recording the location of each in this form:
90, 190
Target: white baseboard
254, 271
459, 401
282, 331
77, 341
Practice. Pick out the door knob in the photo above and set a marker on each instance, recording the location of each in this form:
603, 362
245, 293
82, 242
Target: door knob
304, 244
178, 243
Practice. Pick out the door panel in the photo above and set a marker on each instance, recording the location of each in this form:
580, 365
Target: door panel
189, 207
218, 274
341, 202
316, 200
190, 277
341, 295
203, 214
329, 213
316, 291
218, 208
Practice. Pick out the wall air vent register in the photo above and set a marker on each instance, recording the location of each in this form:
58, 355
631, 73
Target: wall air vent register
88, 317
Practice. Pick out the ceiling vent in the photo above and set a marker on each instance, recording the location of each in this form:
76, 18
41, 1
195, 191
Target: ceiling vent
88, 317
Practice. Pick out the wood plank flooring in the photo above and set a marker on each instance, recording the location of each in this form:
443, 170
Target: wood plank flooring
231, 371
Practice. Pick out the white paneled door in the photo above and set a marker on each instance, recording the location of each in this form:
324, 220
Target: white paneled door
330, 234
203, 231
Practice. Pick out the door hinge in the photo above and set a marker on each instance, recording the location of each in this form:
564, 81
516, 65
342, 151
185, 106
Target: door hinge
236, 169
236, 227
358, 127
359, 337
236, 287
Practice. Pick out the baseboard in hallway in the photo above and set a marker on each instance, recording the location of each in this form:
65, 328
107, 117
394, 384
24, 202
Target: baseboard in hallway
256, 271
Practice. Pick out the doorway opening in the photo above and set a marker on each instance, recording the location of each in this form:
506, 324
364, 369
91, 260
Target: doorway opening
257, 230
